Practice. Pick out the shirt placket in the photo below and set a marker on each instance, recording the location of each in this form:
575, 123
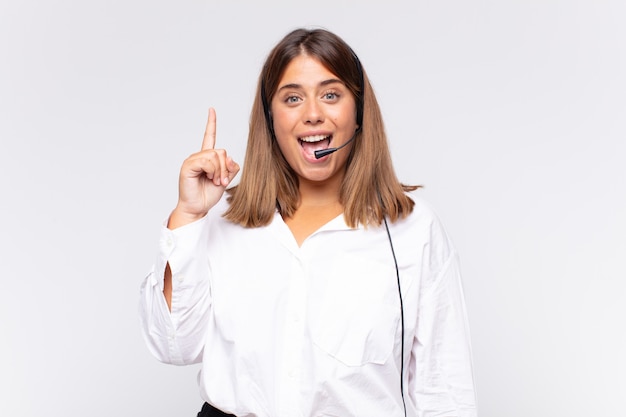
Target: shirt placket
291, 374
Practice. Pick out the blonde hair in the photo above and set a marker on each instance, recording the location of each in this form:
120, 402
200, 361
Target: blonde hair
370, 188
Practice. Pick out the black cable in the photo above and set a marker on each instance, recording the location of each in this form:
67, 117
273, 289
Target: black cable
395, 261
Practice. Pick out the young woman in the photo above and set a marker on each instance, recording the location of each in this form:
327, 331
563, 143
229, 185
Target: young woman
319, 285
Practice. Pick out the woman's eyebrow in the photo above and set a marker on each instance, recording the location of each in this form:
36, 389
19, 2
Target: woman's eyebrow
324, 83
331, 81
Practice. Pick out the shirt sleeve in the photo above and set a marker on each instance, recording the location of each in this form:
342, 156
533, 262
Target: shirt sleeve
177, 337
441, 374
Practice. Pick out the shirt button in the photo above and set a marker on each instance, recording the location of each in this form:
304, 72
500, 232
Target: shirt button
180, 278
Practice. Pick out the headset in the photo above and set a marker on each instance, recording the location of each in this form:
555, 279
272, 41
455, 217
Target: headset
323, 152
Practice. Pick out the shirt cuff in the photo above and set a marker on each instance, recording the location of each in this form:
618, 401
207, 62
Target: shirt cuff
177, 246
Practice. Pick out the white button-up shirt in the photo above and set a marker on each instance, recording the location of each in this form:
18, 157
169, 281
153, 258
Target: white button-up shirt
315, 330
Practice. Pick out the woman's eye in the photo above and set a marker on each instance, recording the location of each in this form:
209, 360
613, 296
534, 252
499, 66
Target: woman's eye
292, 99
330, 96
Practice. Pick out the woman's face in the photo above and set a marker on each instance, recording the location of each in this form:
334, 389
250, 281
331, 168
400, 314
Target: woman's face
312, 109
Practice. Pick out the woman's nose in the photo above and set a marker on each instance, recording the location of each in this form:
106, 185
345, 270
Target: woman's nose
313, 113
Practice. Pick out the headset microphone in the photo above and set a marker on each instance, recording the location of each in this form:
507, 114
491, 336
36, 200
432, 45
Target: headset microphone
323, 152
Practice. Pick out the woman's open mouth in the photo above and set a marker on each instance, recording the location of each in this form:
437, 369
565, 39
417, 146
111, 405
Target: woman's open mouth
315, 143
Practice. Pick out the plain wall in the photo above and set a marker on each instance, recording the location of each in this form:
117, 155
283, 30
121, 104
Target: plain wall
512, 114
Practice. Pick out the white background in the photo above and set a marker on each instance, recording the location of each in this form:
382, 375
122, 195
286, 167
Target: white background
512, 114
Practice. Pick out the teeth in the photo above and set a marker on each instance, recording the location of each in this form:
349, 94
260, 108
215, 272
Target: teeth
315, 138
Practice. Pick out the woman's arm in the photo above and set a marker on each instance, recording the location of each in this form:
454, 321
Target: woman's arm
174, 327
441, 376
175, 296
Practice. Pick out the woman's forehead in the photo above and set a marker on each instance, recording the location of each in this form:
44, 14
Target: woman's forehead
305, 70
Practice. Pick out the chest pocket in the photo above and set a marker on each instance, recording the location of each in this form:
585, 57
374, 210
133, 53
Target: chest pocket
359, 312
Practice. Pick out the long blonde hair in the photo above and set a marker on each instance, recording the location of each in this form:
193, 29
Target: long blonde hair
370, 188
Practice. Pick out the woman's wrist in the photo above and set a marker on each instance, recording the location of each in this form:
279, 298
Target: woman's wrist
180, 218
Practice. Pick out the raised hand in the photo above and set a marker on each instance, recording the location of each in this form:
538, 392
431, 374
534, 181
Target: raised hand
203, 178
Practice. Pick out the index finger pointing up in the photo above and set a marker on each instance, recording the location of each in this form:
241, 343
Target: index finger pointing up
209, 134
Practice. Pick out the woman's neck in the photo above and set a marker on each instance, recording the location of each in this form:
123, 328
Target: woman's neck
319, 204
320, 194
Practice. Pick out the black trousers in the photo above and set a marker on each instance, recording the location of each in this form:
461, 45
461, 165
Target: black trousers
209, 411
